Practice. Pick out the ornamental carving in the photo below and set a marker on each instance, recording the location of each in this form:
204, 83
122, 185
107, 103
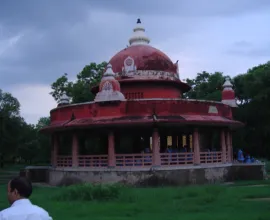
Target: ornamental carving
212, 109
129, 65
107, 86
151, 74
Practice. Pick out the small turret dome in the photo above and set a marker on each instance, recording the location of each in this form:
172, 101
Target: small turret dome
64, 100
228, 94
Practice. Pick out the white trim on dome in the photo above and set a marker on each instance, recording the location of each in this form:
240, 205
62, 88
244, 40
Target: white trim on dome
227, 84
230, 102
139, 36
64, 99
150, 74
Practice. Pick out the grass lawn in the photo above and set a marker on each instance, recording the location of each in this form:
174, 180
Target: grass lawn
185, 203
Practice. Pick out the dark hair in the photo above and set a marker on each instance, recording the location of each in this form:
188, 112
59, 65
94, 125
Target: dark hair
22, 185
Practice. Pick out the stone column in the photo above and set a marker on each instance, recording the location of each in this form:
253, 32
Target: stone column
111, 150
174, 141
163, 143
229, 147
196, 147
55, 147
155, 148
180, 141
75, 149
188, 140
231, 144
223, 146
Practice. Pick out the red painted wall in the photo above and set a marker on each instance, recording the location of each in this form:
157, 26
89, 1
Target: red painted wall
228, 95
139, 108
150, 91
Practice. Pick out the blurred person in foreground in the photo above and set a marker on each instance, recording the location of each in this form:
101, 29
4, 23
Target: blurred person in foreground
18, 193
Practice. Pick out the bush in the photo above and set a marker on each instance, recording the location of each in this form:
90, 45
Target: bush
88, 192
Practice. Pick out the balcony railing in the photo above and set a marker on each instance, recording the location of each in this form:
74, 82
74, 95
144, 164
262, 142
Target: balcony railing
142, 160
64, 161
170, 159
93, 161
137, 160
211, 157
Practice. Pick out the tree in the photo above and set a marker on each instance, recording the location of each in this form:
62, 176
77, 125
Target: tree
42, 122
28, 147
34, 147
60, 86
253, 92
10, 122
207, 86
79, 91
9, 105
44, 141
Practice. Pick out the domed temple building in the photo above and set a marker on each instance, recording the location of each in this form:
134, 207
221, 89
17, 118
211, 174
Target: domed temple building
140, 130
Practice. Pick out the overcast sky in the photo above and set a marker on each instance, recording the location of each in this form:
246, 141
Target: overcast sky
42, 39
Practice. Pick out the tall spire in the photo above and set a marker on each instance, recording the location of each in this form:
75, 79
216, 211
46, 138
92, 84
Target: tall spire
139, 36
109, 71
228, 95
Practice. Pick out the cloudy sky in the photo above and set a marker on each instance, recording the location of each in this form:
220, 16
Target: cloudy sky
42, 39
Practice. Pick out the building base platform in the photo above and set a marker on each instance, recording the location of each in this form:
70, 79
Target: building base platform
154, 176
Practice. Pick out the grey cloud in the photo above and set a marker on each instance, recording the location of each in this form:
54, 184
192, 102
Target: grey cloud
242, 44
63, 36
183, 8
41, 14
41, 56
243, 48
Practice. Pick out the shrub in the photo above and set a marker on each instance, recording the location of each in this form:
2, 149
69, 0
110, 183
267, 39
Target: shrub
88, 192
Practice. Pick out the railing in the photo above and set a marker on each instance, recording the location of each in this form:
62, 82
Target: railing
127, 160
64, 161
93, 161
142, 160
170, 159
211, 157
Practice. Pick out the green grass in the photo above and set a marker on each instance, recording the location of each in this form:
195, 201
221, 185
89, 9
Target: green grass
13, 167
193, 202
251, 183
267, 166
18, 167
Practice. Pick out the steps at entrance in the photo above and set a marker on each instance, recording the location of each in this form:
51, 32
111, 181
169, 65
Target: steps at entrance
6, 176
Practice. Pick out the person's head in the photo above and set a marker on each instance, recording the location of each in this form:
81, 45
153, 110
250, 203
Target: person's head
19, 188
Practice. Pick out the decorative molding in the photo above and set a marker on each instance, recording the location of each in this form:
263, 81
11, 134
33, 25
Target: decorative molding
231, 103
149, 74
139, 36
129, 66
212, 109
64, 99
107, 86
109, 89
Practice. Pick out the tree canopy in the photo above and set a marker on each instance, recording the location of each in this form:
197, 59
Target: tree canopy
206, 86
252, 91
79, 91
17, 138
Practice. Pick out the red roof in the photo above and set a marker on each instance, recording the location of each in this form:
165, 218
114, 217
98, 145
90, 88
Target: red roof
145, 58
143, 120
